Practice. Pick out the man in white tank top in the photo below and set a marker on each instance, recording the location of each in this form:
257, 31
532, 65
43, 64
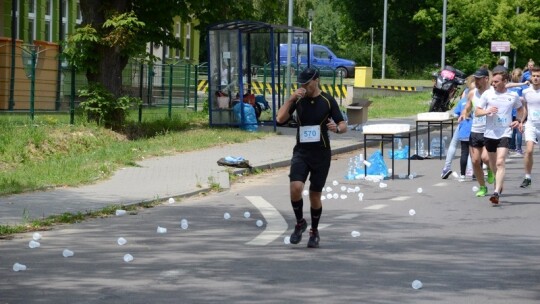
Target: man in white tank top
498, 104
476, 140
531, 102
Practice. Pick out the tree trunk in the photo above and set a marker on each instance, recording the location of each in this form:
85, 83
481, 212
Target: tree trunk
111, 62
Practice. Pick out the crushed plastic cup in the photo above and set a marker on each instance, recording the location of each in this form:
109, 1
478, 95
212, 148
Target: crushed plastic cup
411, 176
171, 200
329, 195
120, 212
475, 188
419, 190
184, 224
412, 212
19, 267
335, 183
247, 214
287, 240
305, 192
128, 258
383, 185
343, 188
259, 223
355, 233
161, 229
36, 236
328, 189
361, 196
68, 253
343, 196
33, 244
121, 241
416, 284
335, 196
226, 215
357, 189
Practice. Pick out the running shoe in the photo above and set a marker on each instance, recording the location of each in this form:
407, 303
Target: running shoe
482, 191
490, 177
526, 183
299, 228
446, 173
494, 199
313, 239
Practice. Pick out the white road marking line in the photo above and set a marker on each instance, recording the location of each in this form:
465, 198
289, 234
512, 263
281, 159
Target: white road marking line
275, 223
347, 216
376, 207
443, 184
322, 226
400, 198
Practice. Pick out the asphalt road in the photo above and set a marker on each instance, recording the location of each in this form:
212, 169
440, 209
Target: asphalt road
461, 248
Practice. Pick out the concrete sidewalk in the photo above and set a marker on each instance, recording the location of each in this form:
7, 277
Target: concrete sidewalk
170, 176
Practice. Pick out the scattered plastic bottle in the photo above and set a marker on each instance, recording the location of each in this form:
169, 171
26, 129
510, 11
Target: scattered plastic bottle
68, 253
343, 196
184, 224
171, 200
247, 214
366, 163
128, 258
328, 189
33, 244
335, 196
343, 188
287, 240
412, 212
335, 183
360, 196
329, 195
120, 212
161, 229
419, 190
226, 215
121, 241
259, 223
355, 234
36, 236
416, 284
19, 267
475, 189
383, 185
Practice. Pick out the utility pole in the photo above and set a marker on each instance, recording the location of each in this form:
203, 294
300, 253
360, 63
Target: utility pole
384, 39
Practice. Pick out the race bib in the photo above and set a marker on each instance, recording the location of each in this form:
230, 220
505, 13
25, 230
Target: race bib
310, 134
477, 120
535, 116
500, 121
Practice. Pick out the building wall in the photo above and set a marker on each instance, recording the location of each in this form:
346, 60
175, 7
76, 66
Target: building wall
33, 29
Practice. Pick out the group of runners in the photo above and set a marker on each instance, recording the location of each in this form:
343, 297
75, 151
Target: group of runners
496, 111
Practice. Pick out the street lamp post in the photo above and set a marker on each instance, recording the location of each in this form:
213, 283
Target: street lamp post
372, 34
310, 16
443, 51
384, 39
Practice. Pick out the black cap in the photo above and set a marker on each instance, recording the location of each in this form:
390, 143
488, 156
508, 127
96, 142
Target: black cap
481, 73
307, 75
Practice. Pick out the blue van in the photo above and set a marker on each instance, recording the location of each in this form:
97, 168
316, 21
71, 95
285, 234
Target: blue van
321, 57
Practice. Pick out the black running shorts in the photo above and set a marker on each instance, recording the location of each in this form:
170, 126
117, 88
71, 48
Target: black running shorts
312, 162
476, 140
492, 144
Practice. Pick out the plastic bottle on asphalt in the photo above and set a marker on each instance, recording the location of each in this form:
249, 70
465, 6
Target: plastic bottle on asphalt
416, 284
67, 253
33, 244
128, 258
184, 224
36, 236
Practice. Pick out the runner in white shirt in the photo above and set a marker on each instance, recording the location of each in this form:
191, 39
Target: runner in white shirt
531, 103
476, 140
497, 104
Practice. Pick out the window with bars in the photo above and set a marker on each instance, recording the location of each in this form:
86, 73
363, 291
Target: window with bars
31, 21
187, 45
48, 20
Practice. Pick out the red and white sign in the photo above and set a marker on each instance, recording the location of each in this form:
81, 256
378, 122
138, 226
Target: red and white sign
500, 46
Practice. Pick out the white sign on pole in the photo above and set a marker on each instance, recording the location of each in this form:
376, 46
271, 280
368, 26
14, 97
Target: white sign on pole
500, 46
